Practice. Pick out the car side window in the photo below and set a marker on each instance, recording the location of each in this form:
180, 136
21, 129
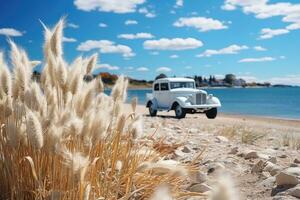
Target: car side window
156, 87
164, 86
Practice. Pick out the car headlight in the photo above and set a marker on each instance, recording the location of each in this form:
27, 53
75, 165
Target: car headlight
210, 96
190, 98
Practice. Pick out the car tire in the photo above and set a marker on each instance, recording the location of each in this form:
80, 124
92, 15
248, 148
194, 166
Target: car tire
180, 112
152, 111
211, 113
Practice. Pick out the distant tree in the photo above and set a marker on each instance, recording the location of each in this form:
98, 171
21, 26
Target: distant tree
214, 79
200, 79
229, 78
160, 76
204, 80
210, 80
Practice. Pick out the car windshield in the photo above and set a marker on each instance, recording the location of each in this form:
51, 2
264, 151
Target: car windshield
175, 85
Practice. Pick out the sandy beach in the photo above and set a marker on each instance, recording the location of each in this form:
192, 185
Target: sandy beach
253, 150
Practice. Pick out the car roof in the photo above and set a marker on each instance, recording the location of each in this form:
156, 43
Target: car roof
175, 79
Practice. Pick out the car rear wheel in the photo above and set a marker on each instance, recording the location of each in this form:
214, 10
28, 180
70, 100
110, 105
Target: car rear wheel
211, 113
152, 110
180, 112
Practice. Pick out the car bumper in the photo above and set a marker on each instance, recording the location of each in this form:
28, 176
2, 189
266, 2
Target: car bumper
203, 106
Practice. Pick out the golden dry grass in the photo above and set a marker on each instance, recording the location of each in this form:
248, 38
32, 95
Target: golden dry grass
65, 139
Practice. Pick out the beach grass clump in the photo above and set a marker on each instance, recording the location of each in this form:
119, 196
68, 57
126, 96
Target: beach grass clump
245, 134
291, 140
249, 136
63, 138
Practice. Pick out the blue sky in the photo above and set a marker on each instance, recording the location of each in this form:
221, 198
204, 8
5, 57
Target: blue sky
254, 39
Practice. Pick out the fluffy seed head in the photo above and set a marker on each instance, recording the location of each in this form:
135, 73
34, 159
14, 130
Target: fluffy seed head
162, 193
5, 77
224, 189
34, 130
56, 39
91, 63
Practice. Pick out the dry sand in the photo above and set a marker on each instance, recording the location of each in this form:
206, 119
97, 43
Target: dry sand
226, 141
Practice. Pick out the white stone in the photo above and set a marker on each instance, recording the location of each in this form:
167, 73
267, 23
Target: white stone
269, 182
293, 170
273, 169
221, 139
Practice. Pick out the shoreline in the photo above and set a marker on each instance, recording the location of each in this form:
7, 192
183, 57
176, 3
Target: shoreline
238, 117
259, 116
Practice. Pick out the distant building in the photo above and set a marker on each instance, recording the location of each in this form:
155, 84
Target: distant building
239, 82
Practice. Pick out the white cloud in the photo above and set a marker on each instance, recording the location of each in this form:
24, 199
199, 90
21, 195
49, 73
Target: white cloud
173, 12
130, 22
201, 23
232, 49
116, 6
228, 7
263, 59
179, 3
262, 9
106, 46
282, 57
268, 33
142, 69
102, 25
173, 44
287, 80
136, 36
294, 26
10, 32
66, 39
130, 68
259, 48
163, 69
72, 25
107, 66
154, 53
219, 76
249, 79
149, 14
188, 67
174, 56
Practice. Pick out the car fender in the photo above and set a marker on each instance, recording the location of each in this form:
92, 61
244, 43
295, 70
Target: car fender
214, 100
153, 101
180, 100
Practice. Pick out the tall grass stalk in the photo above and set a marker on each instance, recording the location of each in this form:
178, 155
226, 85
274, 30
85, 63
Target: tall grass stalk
63, 138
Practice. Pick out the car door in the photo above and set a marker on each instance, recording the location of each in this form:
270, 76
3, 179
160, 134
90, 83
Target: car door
164, 96
156, 93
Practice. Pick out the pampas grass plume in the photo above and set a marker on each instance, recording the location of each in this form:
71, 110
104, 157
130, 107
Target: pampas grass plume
34, 130
91, 63
162, 193
224, 190
134, 102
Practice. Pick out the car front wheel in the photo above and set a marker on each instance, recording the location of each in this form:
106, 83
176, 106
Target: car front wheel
211, 113
152, 110
180, 112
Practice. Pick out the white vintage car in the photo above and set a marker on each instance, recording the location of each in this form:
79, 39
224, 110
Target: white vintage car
181, 95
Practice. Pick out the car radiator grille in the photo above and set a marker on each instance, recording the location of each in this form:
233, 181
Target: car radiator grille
200, 98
